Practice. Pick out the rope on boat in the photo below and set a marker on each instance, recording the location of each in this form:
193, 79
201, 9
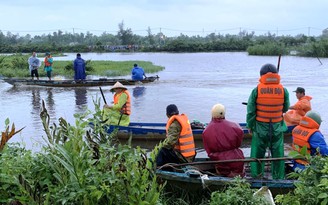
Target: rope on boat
194, 172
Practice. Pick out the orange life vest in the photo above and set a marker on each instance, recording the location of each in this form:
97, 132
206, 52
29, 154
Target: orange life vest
126, 108
306, 101
186, 144
46, 62
270, 98
301, 135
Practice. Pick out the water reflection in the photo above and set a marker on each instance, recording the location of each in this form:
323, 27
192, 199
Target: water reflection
81, 96
81, 100
50, 99
139, 91
36, 101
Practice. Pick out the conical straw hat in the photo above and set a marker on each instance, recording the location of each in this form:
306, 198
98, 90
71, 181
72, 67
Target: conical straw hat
118, 85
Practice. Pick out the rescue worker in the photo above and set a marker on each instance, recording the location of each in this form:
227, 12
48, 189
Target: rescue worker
222, 140
265, 108
118, 113
179, 145
307, 134
301, 107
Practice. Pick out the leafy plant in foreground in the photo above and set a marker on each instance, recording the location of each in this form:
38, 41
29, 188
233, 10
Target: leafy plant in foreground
72, 170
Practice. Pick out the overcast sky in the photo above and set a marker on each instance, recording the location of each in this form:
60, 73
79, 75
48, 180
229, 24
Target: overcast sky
172, 17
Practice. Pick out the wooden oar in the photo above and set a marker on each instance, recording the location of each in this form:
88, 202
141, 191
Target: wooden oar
278, 63
102, 95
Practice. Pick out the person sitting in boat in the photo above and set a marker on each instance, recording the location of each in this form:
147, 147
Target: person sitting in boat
79, 68
307, 134
179, 145
222, 140
301, 107
138, 73
118, 113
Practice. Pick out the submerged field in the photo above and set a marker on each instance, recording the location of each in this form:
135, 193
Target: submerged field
17, 66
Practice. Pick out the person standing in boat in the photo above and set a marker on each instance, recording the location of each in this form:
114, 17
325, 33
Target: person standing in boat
222, 140
34, 64
48, 61
118, 113
266, 105
307, 134
79, 68
179, 145
301, 107
138, 73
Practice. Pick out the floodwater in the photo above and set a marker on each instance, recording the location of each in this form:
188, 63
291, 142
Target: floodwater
192, 81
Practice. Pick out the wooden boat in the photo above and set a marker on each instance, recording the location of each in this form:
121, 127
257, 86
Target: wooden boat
200, 175
81, 83
147, 135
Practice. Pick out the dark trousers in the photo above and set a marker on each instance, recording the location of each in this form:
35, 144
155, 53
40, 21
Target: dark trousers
166, 156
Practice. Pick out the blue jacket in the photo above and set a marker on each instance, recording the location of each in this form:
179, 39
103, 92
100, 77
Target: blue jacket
317, 140
137, 73
79, 69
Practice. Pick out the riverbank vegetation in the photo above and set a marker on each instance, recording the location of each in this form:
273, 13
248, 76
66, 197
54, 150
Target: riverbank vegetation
83, 164
17, 66
126, 41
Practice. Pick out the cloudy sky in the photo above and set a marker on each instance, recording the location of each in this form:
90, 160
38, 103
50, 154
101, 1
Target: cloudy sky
172, 17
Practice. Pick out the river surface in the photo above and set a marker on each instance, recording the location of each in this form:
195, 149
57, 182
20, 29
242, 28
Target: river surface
192, 81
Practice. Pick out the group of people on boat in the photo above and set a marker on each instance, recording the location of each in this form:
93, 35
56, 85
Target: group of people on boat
79, 66
34, 64
268, 114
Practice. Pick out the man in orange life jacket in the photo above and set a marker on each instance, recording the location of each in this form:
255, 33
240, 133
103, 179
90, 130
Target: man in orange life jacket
301, 107
179, 146
265, 108
307, 134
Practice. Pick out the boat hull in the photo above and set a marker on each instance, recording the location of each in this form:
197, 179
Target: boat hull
203, 181
148, 135
73, 83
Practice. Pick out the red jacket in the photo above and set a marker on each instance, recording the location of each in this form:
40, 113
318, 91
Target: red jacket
222, 139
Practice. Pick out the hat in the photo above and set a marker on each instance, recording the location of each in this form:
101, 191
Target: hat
118, 85
218, 111
314, 116
299, 90
172, 109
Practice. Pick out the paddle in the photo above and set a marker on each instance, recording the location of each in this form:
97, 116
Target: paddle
118, 124
102, 95
278, 66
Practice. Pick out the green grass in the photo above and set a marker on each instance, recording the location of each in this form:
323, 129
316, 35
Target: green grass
16, 66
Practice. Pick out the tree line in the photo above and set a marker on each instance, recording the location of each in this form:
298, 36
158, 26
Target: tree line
126, 41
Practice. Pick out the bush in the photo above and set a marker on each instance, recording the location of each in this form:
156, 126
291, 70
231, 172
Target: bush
236, 194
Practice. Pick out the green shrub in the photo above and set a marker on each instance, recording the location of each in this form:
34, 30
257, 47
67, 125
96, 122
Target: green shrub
236, 194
